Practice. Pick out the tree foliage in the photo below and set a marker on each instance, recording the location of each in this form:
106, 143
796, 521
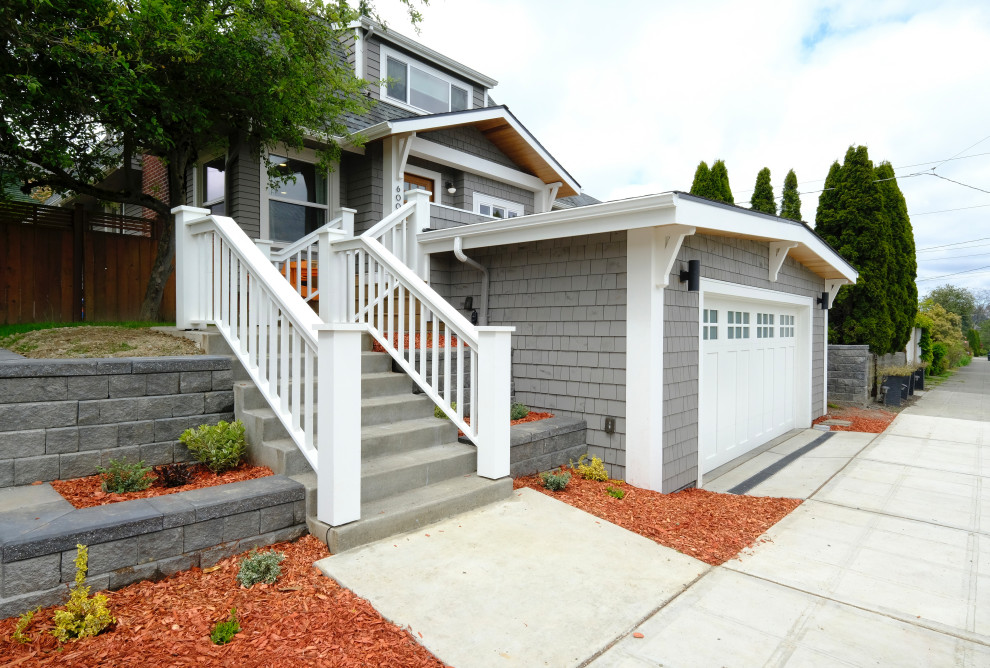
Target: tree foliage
90, 85
702, 184
790, 204
903, 267
945, 330
762, 199
956, 300
712, 183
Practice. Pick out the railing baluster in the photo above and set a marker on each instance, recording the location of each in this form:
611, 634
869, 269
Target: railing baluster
273, 338
401, 328
262, 320
435, 357
307, 411
421, 330
296, 371
224, 285
474, 392
283, 361
460, 378
242, 309
216, 308
362, 300
446, 364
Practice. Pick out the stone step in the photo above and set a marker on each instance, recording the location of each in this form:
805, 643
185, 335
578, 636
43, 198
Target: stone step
375, 384
395, 474
410, 511
282, 456
381, 410
391, 438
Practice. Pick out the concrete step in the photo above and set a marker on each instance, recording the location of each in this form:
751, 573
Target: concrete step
411, 511
376, 384
391, 438
391, 475
281, 456
381, 410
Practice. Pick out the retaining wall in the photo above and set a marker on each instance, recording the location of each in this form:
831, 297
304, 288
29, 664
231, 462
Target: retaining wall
61, 419
850, 370
546, 444
141, 539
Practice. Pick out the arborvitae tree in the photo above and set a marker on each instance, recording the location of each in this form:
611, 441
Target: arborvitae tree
702, 185
762, 199
790, 205
903, 268
720, 183
851, 218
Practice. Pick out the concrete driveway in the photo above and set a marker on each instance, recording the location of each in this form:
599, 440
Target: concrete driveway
887, 563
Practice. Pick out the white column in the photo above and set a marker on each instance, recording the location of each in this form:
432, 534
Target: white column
419, 220
338, 442
332, 276
347, 222
494, 381
187, 283
265, 246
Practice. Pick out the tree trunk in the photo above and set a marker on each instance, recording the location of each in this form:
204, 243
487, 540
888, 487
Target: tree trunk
163, 266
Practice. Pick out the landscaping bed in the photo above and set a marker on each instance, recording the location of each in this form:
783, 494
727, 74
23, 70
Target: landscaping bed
706, 525
87, 492
871, 420
304, 618
96, 341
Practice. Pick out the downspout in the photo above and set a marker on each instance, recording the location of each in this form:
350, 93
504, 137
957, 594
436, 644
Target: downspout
459, 254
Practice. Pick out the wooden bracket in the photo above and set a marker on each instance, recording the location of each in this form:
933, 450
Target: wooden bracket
778, 253
667, 242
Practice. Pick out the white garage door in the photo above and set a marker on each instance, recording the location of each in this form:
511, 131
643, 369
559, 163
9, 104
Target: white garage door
753, 376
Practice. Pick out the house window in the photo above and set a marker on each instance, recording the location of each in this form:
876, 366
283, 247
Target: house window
422, 87
738, 324
496, 208
786, 326
298, 206
212, 192
764, 325
709, 330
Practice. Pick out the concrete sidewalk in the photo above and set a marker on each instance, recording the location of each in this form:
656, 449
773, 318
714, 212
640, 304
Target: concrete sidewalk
887, 564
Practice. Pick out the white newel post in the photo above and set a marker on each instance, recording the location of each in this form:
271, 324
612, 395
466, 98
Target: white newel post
188, 285
494, 388
265, 246
347, 220
418, 260
331, 279
338, 440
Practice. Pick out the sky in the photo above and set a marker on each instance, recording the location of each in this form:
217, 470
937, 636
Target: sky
629, 96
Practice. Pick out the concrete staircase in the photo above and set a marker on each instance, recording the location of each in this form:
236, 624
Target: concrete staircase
414, 470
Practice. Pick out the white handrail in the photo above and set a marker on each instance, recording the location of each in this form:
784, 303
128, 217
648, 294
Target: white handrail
298, 262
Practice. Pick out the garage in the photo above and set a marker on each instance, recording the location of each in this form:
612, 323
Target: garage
755, 366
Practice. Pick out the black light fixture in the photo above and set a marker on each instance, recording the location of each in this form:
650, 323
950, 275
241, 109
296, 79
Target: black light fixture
692, 275
468, 303
823, 301
450, 187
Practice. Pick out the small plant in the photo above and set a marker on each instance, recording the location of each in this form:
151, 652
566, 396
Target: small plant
23, 622
438, 412
616, 492
518, 411
220, 447
260, 567
82, 616
555, 480
121, 477
175, 475
593, 471
223, 632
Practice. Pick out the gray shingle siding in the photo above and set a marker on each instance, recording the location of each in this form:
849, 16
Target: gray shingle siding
361, 188
742, 261
245, 199
479, 98
567, 299
470, 140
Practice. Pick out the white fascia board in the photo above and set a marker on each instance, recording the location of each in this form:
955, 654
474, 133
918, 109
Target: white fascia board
721, 219
639, 212
451, 157
426, 53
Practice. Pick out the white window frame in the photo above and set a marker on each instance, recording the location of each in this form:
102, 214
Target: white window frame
199, 182
477, 199
332, 206
412, 61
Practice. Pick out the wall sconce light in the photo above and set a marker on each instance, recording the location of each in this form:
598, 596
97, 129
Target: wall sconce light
468, 303
823, 301
692, 275
450, 187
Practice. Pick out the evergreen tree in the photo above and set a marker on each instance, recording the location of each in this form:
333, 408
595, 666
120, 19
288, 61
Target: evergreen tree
790, 205
762, 199
720, 183
851, 217
702, 185
903, 268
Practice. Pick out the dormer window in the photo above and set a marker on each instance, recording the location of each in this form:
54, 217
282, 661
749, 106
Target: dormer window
413, 84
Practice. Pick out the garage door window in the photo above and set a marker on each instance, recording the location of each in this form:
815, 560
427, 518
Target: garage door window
786, 326
738, 322
709, 330
764, 325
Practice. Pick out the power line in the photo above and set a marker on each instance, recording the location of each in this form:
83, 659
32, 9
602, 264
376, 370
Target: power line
958, 243
960, 152
928, 213
937, 250
968, 271
954, 257
958, 182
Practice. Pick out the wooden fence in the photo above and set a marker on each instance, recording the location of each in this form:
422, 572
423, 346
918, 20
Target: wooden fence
66, 265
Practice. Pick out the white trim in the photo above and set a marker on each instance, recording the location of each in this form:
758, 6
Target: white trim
778, 253
824, 363
304, 155
451, 157
832, 287
436, 177
411, 61
358, 53
477, 199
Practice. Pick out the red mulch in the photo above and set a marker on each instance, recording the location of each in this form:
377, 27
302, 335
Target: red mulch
706, 525
532, 416
304, 619
378, 348
86, 492
869, 420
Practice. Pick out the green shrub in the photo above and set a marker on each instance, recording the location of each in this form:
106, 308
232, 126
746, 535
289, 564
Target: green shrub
220, 447
518, 411
616, 492
260, 567
939, 362
174, 475
82, 616
555, 480
23, 622
593, 471
121, 477
438, 412
223, 632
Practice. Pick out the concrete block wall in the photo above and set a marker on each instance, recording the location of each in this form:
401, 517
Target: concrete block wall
61, 419
567, 300
850, 373
546, 444
144, 538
